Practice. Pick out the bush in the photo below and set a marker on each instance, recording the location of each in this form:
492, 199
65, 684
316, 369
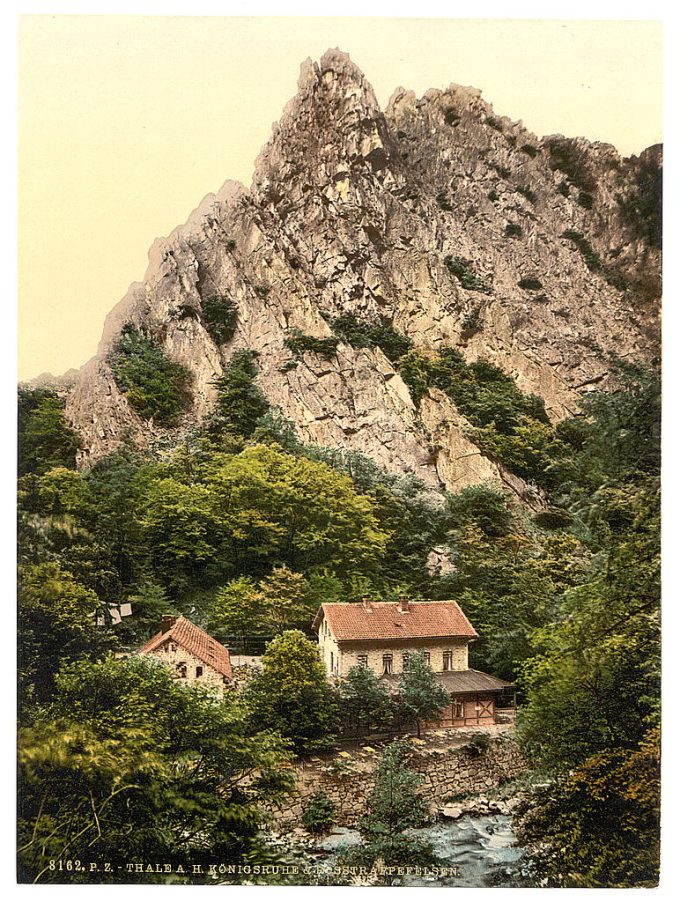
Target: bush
526, 191
563, 189
219, 316
530, 284
567, 158
443, 201
472, 323
319, 814
298, 343
530, 150
363, 334
240, 403
467, 277
494, 123
512, 230
478, 745
154, 386
585, 200
451, 117
45, 439
590, 257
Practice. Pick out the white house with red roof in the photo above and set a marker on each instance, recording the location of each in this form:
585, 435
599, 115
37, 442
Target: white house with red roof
191, 653
383, 635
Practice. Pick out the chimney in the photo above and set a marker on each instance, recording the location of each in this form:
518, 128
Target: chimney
403, 605
167, 622
366, 603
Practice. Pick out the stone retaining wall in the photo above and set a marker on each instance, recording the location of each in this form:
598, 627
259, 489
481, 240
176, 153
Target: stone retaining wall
450, 768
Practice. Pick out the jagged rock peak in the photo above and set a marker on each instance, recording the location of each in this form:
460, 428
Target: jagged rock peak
334, 119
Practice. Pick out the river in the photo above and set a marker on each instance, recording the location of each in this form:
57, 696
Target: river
482, 848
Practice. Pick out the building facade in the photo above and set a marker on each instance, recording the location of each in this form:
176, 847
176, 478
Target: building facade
192, 655
383, 636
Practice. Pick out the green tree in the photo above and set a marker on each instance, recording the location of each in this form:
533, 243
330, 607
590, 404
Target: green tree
291, 694
287, 600
598, 825
56, 623
420, 695
240, 403
238, 611
319, 813
127, 765
275, 508
45, 440
155, 387
393, 806
149, 603
177, 524
365, 700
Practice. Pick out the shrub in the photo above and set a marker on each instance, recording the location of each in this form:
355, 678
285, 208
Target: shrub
219, 316
364, 334
184, 311
526, 191
530, 284
494, 123
553, 518
512, 230
240, 403
585, 200
319, 813
492, 195
563, 189
443, 202
590, 257
467, 277
451, 117
502, 171
478, 745
297, 342
45, 439
530, 150
472, 323
567, 158
154, 386
261, 290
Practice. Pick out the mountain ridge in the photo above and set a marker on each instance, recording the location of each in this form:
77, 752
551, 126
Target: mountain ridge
460, 228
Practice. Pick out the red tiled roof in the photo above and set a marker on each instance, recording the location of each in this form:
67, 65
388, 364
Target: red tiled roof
196, 641
352, 622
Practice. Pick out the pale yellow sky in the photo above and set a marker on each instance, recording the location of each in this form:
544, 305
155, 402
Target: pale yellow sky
126, 123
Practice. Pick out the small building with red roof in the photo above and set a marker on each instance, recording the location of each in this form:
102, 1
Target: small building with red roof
383, 636
191, 653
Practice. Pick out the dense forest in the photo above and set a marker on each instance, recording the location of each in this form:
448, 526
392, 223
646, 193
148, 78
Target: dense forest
246, 530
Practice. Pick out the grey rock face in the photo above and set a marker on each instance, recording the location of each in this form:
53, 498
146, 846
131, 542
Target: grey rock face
355, 211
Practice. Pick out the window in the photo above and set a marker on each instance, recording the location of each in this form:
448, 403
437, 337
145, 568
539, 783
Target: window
199, 671
362, 660
405, 658
182, 669
448, 660
387, 664
173, 647
426, 657
331, 661
458, 708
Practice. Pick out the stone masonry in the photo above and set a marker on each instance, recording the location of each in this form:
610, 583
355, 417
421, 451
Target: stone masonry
450, 767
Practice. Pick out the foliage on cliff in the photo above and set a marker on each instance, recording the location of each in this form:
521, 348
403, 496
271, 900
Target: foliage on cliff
155, 387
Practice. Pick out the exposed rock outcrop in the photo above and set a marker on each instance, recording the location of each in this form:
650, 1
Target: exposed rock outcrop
355, 210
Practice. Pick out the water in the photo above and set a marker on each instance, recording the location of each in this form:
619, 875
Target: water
481, 848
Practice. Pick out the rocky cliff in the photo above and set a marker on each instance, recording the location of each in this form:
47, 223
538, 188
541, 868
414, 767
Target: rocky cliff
355, 210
